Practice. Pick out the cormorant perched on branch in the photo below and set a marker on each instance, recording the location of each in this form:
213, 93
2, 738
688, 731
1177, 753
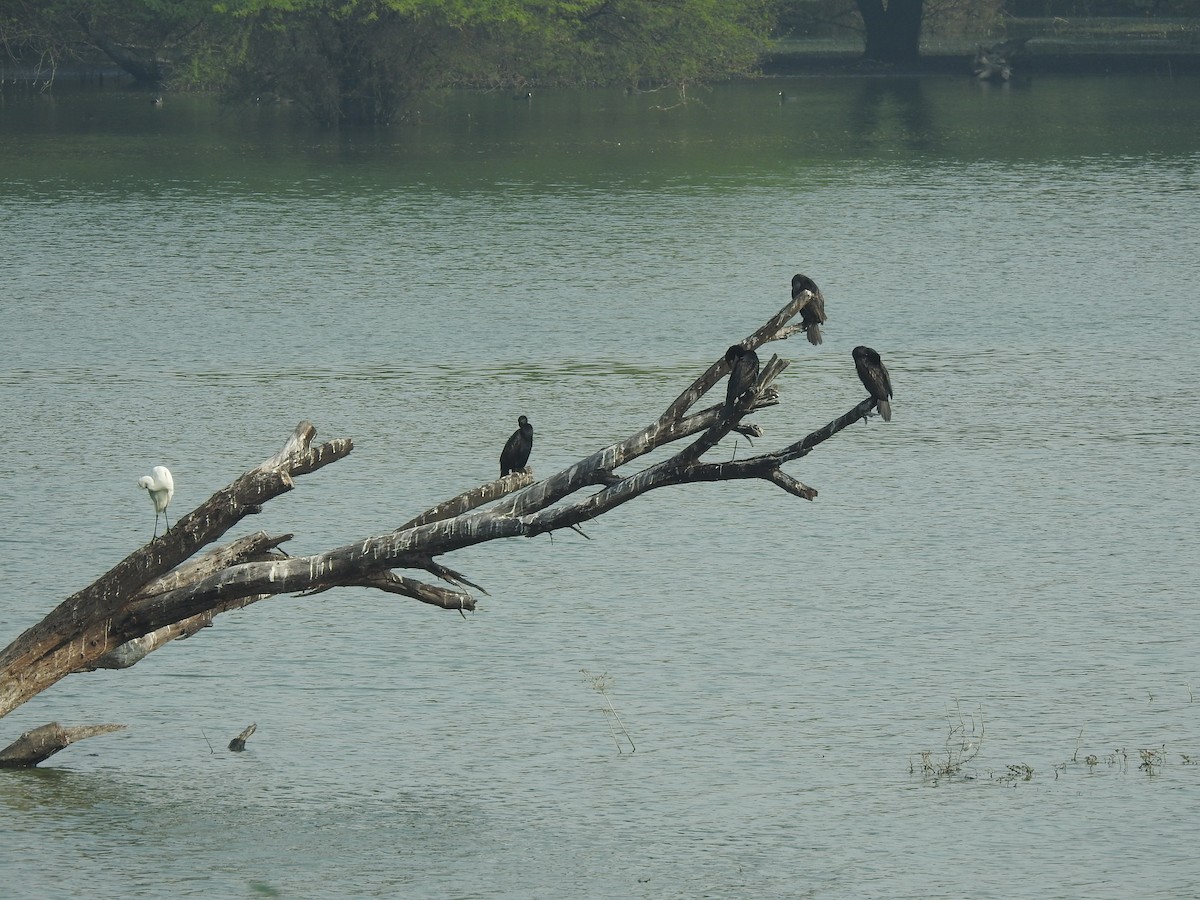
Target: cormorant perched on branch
874, 377
516, 450
813, 314
743, 373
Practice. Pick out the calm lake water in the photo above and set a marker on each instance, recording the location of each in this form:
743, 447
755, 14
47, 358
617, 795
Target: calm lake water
1003, 576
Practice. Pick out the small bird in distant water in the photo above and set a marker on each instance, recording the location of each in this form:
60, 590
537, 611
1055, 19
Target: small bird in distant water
874, 376
161, 486
516, 450
813, 314
743, 374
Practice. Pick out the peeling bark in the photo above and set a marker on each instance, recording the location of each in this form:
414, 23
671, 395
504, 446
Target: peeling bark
43, 742
893, 31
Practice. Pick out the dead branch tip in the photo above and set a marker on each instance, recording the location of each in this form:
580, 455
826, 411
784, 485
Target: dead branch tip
238, 744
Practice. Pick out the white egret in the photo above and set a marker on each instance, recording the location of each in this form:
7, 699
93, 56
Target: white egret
161, 486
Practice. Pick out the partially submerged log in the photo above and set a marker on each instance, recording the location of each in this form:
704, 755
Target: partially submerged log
238, 744
160, 593
44, 741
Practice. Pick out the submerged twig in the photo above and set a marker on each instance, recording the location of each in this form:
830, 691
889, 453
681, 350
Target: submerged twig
616, 727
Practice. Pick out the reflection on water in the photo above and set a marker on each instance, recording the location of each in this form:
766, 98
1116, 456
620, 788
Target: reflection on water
894, 111
1015, 544
482, 141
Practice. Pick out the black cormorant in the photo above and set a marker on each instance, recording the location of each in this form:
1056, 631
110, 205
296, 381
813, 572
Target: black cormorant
874, 378
813, 314
743, 373
516, 451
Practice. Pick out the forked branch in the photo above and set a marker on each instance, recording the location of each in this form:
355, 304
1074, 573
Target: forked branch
157, 595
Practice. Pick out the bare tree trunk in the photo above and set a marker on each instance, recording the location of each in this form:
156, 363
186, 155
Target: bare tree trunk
894, 31
156, 594
144, 70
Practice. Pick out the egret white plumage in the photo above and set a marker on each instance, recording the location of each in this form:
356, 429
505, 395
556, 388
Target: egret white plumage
161, 486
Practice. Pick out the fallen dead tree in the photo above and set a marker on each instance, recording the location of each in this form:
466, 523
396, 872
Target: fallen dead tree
173, 587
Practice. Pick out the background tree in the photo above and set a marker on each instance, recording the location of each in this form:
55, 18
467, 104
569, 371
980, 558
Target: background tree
148, 39
363, 60
341, 62
632, 41
40, 35
893, 31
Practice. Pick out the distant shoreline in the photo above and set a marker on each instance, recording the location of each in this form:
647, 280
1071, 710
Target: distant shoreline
1069, 63
788, 62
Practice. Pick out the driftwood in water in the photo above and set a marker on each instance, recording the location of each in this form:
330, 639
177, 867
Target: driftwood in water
44, 741
238, 744
160, 592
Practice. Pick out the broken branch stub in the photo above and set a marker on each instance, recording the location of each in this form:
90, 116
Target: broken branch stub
238, 744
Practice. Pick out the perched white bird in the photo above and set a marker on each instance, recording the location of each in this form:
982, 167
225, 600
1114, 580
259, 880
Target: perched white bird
161, 486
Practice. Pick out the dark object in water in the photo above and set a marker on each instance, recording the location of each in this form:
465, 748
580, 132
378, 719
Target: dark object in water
238, 744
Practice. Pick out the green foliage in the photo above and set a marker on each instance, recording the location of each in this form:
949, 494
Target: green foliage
971, 19
347, 62
622, 41
1074, 9
148, 38
362, 60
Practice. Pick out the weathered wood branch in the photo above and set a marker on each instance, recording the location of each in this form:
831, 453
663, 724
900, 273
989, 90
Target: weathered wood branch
256, 546
681, 469
419, 590
238, 744
472, 499
94, 621
776, 329
157, 595
43, 742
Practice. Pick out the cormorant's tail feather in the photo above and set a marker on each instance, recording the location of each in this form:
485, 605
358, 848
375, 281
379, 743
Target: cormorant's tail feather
814, 333
885, 410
